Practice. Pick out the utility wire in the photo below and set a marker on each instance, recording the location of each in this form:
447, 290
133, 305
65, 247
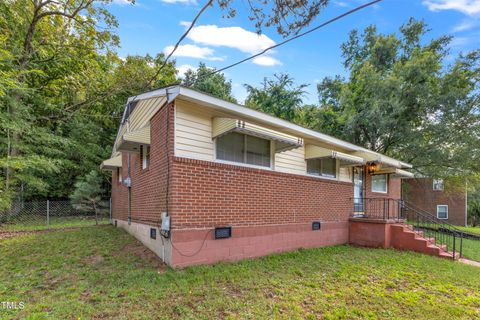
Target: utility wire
294, 37
184, 35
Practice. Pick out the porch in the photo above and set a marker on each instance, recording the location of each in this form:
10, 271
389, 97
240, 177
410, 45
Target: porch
394, 223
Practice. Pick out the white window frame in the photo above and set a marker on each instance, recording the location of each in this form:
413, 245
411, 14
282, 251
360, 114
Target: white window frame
437, 182
386, 183
244, 164
119, 173
144, 156
442, 205
337, 171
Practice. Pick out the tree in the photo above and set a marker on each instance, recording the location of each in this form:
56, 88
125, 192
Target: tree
474, 212
215, 84
62, 93
87, 194
401, 99
288, 16
277, 96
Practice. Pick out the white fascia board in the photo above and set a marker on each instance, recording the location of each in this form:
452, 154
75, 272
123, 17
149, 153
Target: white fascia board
170, 92
220, 104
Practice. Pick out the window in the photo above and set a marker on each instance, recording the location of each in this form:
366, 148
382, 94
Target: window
379, 183
237, 147
119, 174
145, 156
325, 167
438, 184
442, 211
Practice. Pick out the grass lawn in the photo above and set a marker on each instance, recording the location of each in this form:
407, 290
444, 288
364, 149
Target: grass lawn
472, 230
99, 272
30, 223
471, 249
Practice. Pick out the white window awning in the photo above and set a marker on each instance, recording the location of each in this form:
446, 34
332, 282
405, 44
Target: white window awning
398, 173
112, 163
283, 141
377, 158
313, 151
131, 141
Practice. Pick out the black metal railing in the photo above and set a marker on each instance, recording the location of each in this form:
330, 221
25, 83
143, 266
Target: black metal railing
377, 208
436, 231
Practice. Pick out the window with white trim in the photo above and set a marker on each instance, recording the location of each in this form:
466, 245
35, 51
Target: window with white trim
380, 183
145, 155
438, 184
324, 167
442, 211
119, 174
242, 148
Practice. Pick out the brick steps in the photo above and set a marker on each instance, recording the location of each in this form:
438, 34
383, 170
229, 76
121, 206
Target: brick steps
404, 238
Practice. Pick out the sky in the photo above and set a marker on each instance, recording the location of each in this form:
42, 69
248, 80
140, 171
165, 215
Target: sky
154, 26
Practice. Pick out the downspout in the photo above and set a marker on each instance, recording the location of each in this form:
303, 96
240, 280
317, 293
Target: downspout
129, 185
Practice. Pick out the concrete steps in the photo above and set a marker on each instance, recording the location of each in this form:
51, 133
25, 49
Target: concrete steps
403, 237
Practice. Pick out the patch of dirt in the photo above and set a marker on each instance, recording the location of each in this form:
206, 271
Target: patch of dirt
93, 260
146, 255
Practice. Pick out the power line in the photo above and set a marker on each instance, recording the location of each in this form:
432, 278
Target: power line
294, 37
184, 35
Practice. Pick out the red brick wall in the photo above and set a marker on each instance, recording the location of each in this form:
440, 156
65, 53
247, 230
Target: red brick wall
393, 188
420, 193
210, 194
149, 186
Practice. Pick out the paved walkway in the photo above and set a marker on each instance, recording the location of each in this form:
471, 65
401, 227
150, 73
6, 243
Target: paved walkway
470, 262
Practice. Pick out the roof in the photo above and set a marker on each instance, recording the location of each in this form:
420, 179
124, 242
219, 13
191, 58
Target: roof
178, 91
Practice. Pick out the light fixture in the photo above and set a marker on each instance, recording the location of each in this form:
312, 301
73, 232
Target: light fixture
373, 167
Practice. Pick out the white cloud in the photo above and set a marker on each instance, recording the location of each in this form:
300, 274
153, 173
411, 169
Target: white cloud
341, 4
183, 69
180, 1
121, 2
232, 37
266, 61
185, 24
466, 25
193, 51
469, 7
235, 38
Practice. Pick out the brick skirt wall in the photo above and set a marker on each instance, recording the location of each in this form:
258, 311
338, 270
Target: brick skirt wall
192, 247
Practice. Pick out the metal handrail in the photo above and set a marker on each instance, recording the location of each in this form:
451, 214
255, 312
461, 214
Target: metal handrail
442, 234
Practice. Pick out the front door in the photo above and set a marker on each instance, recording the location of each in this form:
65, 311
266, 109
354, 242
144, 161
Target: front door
358, 177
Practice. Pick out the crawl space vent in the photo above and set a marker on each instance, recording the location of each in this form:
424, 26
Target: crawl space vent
153, 233
316, 225
223, 232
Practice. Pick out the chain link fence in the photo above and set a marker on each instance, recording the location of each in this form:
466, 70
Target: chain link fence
53, 214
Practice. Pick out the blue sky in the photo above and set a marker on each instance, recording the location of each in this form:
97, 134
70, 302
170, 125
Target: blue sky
151, 26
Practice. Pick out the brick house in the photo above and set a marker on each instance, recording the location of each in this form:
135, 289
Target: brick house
198, 180
447, 202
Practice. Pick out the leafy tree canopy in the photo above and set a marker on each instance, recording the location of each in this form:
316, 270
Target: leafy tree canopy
203, 80
278, 96
403, 100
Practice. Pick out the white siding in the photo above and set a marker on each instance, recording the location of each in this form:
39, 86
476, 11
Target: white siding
291, 161
345, 174
193, 132
193, 139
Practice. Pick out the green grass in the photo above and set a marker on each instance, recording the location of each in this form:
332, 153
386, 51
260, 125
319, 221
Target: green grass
92, 273
31, 223
472, 230
471, 249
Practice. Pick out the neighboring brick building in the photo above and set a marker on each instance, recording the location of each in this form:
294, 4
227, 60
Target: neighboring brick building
201, 163
448, 203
